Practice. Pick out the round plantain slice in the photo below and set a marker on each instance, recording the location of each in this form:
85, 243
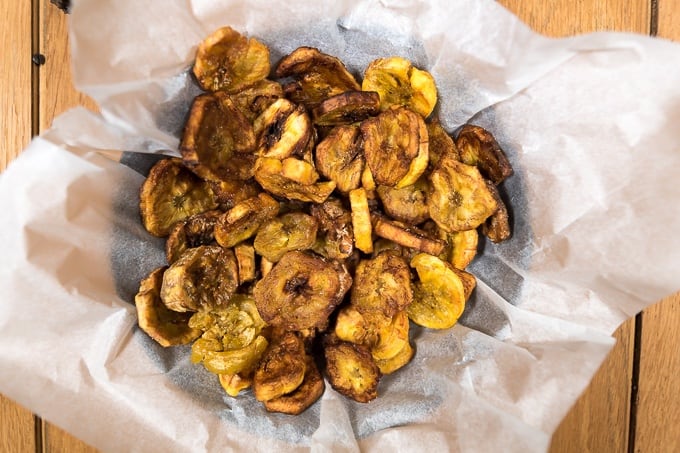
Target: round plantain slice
459, 198
218, 140
199, 229
408, 204
391, 142
351, 369
230, 191
202, 277
406, 236
400, 83
234, 383
497, 226
346, 108
335, 239
172, 193
167, 327
253, 100
228, 61
301, 398
280, 235
269, 174
233, 361
282, 129
282, 368
401, 359
301, 291
382, 284
339, 157
439, 295
392, 336
479, 148
243, 220
440, 143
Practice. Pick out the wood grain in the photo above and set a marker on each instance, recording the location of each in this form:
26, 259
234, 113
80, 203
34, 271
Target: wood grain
16, 427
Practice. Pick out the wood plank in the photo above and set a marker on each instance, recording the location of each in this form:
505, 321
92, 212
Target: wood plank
668, 25
17, 424
599, 421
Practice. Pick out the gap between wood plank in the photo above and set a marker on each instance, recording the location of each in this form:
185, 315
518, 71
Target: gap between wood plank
634, 383
654, 17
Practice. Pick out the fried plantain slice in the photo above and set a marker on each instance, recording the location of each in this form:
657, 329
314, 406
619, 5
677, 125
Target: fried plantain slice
301, 291
361, 220
319, 76
439, 295
391, 142
280, 235
335, 238
459, 198
230, 191
351, 370
167, 327
408, 204
243, 220
172, 193
245, 257
382, 284
299, 171
463, 247
469, 282
282, 129
479, 148
497, 226
367, 181
440, 143
339, 157
265, 266
268, 173
399, 360
199, 229
228, 61
407, 236
234, 383
346, 108
282, 368
301, 398
202, 277
361, 328
233, 361
400, 83
218, 140
392, 336
255, 99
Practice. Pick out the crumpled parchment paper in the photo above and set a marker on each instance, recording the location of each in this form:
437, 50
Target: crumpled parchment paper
589, 124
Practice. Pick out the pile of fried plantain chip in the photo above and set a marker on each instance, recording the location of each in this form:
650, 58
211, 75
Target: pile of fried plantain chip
311, 219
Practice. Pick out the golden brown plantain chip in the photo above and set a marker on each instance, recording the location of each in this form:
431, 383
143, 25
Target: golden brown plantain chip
233, 361
167, 327
346, 108
392, 336
199, 229
408, 204
202, 277
269, 174
227, 60
301, 398
282, 369
497, 226
243, 220
406, 236
229, 191
463, 247
401, 359
400, 83
280, 235
234, 383
335, 239
361, 220
339, 157
301, 291
440, 144
351, 370
382, 284
218, 140
459, 198
255, 99
478, 147
172, 193
282, 130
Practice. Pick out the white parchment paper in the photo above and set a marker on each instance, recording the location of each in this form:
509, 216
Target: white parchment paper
589, 124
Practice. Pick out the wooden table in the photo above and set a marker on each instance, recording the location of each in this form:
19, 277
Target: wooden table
633, 403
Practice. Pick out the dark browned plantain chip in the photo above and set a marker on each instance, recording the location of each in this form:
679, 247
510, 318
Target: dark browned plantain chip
282, 130
407, 236
478, 147
243, 220
339, 157
497, 226
282, 234
335, 239
351, 369
229, 192
252, 101
408, 204
301, 398
282, 369
440, 143
199, 229
346, 108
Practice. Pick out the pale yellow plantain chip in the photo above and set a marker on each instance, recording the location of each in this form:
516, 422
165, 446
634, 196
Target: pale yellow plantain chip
234, 383
361, 220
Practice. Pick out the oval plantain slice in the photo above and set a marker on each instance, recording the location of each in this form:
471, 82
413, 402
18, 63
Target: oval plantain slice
269, 174
439, 295
440, 143
218, 140
361, 220
335, 239
167, 327
234, 383
301, 398
233, 361
408, 204
228, 61
351, 369
280, 235
497, 226
406, 236
243, 220
282, 368
401, 359
255, 99
391, 142
202, 277
301, 291
199, 229
382, 284
282, 129
459, 198
172, 193
392, 336
400, 83
339, 157
478, 147
346, 108
463, 248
